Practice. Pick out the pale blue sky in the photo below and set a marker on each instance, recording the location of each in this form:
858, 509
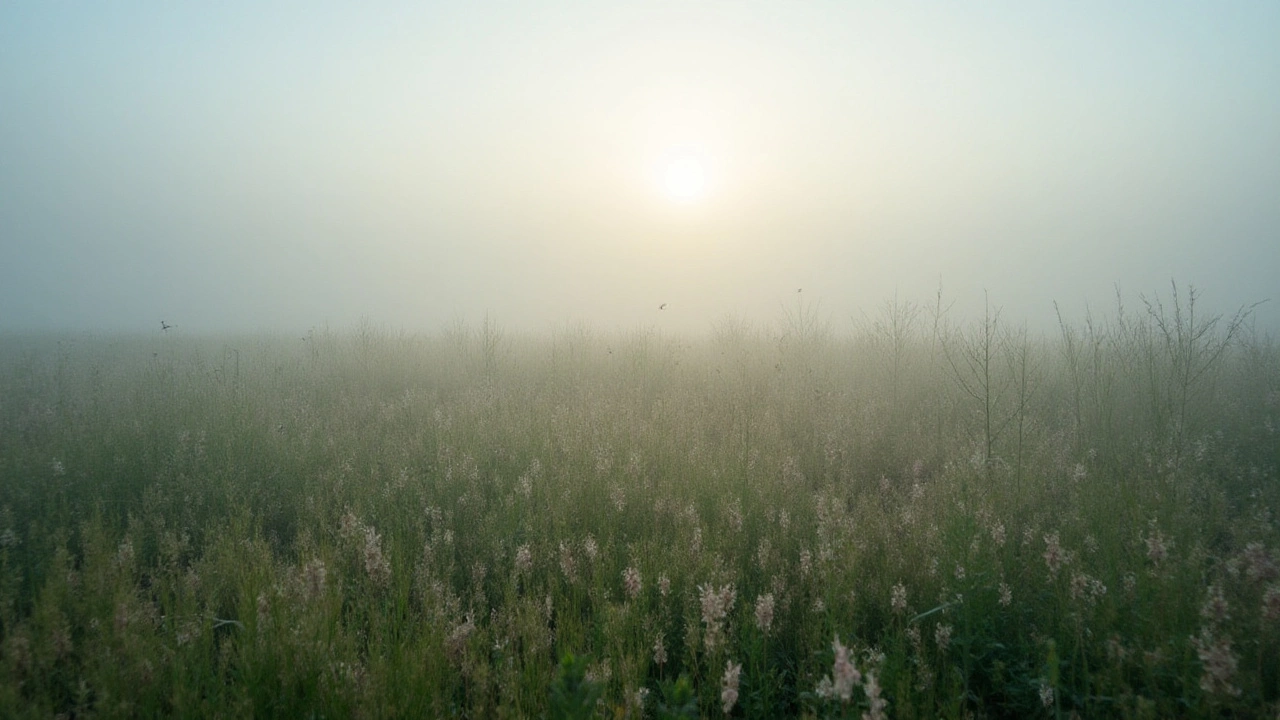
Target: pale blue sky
281, 166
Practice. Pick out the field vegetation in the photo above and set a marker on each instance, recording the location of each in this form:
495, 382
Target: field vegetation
919, 518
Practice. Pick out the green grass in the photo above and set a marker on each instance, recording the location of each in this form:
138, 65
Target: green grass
376, 524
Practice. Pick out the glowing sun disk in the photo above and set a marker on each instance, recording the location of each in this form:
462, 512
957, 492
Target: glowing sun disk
685, 178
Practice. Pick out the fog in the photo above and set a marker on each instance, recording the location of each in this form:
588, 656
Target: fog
286, 166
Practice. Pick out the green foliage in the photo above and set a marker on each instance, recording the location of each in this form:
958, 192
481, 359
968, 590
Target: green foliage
678, 700
573, 696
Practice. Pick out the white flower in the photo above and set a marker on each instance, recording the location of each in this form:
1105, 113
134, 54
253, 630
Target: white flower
729, 685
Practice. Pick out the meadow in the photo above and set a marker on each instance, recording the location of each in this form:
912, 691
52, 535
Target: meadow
919, 517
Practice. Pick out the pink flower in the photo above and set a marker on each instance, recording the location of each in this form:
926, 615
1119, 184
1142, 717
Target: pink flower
898, 598
1259, 567
524, 559
631, 582
659, 651
942, 636
843, 675
1271, 603
1219, 663
1215, 606
729, 685
1006, 595
1054, 556
877, 703
764, 612
716, 604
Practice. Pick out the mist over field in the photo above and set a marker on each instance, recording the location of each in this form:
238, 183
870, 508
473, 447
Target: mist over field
661, 360
246, 168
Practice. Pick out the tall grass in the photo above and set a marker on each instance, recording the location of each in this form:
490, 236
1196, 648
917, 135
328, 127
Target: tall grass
922, 519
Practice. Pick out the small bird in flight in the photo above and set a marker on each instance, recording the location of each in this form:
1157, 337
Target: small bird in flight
165, 326
663, 306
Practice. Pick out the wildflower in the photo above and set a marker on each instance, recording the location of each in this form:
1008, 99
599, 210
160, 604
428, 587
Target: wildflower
631, 582
313, 579
734, 512
659, 651
729, 685
1085, 587
1215, 606
1054, 556
942, 636
458, 637
1259, 565
349, 526
913, 636
997, 534
762, 554
1271, 603
1219, 663
1006, 595
960, 573
567, 564
898, 598
664, 585
58, 468
839, 685
1130, 583
264, 612
1116, 650
375, 564
877, 703
806, 563
590, 548
716, 604
1046, 693
1090, 544
524, 559
764, 612
600, 672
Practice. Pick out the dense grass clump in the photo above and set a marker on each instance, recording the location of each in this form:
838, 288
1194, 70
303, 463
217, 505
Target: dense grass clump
919, 520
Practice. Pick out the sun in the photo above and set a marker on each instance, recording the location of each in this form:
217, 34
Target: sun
685, 178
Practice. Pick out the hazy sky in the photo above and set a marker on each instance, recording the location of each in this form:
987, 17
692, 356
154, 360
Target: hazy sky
251, 165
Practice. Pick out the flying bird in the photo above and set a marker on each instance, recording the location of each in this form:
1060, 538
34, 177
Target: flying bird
164, 326
663, 306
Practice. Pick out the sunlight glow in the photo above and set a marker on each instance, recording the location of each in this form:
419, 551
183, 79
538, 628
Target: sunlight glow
685, 179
